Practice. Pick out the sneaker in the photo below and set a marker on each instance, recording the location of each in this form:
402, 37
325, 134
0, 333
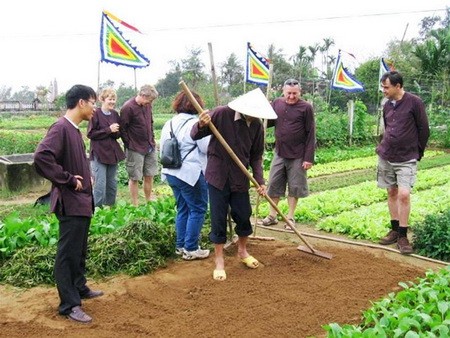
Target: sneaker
78, 315
268, 220
197, 254
404, 246
390, 238
92, 294
179, 251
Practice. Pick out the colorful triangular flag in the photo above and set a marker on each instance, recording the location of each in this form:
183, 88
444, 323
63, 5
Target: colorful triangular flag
342, 79
385, 66
114, 48
257, 67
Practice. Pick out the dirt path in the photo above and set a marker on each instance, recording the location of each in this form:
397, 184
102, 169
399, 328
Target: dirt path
291, 295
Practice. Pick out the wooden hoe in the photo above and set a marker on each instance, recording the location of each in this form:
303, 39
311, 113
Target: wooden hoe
308, 249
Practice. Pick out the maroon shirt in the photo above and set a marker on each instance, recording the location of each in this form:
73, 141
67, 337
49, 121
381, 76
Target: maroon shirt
406, 130
295, 130
104, 145
60, 156
246, 141
136, 123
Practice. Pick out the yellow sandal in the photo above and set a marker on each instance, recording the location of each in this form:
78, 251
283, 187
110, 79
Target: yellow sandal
250, 262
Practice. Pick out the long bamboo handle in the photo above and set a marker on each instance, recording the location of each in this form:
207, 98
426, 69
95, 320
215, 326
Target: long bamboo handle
239, 163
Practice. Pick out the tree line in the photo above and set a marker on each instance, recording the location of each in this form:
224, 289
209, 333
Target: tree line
424, 61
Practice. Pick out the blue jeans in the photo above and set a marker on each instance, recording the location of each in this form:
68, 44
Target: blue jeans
105, 183
192, 202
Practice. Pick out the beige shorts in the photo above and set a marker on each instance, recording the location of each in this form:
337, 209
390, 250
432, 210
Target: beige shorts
396, 174
139, 165
287, 172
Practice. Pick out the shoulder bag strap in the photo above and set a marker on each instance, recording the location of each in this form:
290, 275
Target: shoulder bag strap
178, 129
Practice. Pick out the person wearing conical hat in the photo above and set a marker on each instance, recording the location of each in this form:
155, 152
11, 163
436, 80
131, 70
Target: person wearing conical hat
228, 186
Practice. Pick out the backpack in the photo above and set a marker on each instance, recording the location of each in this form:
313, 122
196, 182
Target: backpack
170, 153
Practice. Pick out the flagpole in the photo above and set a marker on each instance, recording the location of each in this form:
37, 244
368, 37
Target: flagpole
332, 78
98, 76
213, 73
378, 109
135, 83
268, 90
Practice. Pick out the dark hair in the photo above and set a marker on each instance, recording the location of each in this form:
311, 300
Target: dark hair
394, 77
182, 104
79, 92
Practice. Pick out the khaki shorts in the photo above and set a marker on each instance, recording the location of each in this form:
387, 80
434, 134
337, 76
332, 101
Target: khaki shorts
287, 172
139, 165
396, 174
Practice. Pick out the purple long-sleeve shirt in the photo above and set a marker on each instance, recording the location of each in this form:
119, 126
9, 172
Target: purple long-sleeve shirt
295, 129
136, 126
104, 145
59, 157
247, 141
406, 130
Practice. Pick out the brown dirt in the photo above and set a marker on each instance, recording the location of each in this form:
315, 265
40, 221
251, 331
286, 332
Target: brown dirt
291, 295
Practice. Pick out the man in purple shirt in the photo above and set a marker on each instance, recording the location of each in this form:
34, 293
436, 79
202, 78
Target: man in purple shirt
136, 127
406, 133
295, 141
61, 158
228, 185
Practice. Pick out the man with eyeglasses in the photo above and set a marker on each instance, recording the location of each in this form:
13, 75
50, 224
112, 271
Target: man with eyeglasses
295, 140
61, 158
405, 137
136, 123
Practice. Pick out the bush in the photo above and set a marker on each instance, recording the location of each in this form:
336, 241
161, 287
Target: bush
15, 142
432, 237
420, 310
331, 129
137, 248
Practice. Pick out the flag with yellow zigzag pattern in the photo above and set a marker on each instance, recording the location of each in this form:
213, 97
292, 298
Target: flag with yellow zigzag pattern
114, 48
257, 67
342, 79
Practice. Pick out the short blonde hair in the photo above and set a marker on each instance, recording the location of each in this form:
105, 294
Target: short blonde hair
148, 91
106, 93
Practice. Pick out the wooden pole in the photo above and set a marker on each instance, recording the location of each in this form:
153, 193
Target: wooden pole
351, 113
98, 76
269, 87
213, 74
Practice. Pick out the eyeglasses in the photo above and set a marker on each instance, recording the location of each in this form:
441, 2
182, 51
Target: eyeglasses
92, 102
291, 82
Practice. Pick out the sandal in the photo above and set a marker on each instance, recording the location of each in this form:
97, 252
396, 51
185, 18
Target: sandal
268, 220
219, 275
250, 262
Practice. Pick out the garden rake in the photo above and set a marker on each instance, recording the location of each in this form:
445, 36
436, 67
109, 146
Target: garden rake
308, 249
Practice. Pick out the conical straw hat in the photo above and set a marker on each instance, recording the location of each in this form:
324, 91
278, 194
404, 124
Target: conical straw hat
255, 104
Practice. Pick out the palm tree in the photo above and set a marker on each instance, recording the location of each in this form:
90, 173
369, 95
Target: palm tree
298, 61
434, 55
324, 49
231, 70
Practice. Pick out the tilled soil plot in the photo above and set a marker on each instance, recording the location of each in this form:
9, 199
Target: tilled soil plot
291, 294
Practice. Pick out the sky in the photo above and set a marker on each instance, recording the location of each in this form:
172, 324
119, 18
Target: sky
44, 40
